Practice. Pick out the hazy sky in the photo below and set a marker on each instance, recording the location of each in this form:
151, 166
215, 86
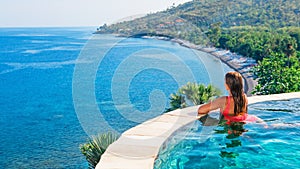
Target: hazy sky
33, 13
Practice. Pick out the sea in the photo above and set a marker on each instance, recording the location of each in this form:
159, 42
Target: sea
60, 86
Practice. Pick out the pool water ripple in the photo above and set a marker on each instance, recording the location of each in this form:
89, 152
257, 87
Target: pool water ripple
257, 146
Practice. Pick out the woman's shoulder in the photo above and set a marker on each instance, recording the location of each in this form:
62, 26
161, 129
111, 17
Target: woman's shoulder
221, 101
222, 98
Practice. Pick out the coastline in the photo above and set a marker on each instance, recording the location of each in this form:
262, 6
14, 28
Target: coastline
235, 62
250, 83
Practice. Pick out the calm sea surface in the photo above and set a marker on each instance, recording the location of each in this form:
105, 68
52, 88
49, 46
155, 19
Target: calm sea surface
47, 73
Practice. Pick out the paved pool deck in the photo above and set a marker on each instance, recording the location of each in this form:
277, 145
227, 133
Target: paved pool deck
138, 147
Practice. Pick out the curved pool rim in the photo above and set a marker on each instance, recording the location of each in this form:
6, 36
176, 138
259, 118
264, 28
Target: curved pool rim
138, 147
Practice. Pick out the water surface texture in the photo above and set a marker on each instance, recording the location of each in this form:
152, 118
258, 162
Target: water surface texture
271, 145
38, 122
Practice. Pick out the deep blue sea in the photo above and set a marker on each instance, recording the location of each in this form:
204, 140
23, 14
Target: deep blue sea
58, 86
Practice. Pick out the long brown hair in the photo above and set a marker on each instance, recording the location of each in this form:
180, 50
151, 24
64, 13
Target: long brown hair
235, 83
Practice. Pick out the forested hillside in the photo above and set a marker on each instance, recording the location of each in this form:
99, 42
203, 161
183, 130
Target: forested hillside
200, 14
241, 12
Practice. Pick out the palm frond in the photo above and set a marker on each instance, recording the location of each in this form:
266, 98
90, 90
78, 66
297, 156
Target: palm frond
96, 146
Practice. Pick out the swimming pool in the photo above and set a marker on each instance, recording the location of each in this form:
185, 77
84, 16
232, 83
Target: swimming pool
251, 145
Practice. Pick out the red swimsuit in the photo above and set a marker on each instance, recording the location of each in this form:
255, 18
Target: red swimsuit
239, 118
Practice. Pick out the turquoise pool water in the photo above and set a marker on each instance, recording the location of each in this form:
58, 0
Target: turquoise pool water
275, 144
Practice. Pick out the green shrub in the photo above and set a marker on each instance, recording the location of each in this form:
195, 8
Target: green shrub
96, 146
277, 73
195, 93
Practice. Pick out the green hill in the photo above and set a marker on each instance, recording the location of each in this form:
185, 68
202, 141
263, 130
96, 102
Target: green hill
197, 16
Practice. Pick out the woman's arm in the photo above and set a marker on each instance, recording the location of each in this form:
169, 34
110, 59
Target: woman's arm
213, 105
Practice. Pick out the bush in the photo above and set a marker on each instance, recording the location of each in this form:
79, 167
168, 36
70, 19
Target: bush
277, 73
96, 146
195, 93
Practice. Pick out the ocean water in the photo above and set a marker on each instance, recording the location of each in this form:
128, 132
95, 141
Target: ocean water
39, 128
58, 86
274, 144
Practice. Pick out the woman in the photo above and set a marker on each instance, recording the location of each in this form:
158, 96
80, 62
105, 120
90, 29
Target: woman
234, 106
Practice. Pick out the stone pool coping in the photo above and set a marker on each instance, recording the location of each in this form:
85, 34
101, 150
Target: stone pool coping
138, 147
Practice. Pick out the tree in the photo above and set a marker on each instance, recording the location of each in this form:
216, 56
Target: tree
96, 146
195, 93
207, 93
214, 33
177, 101
223, 40
277, 73
191, 91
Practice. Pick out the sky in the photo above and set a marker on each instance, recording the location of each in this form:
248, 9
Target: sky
58, 13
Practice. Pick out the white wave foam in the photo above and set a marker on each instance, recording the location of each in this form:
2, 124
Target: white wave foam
31, 51
84, 38
24, 34
8, 71
60, 48
39, 41
156, 56
40, 65
57, 48
9, 51
73, 43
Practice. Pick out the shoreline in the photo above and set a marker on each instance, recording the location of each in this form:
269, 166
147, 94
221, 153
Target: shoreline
250, 83
230, 59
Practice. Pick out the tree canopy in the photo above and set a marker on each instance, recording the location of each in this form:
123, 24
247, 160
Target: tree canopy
198, 15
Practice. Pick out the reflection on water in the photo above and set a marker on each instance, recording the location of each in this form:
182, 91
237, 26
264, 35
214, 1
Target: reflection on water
233, 131
211, 143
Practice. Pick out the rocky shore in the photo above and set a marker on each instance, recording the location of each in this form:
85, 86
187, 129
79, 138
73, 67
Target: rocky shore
234, 61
